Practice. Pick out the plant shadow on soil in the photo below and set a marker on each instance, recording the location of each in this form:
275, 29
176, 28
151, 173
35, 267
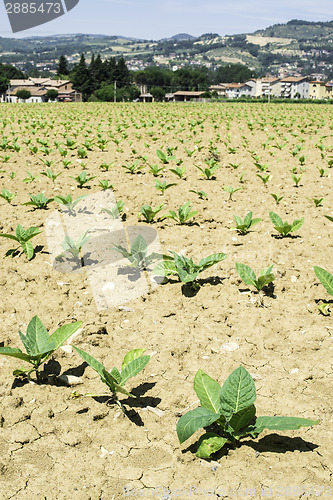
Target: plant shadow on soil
189, 291
140, 402
273, 443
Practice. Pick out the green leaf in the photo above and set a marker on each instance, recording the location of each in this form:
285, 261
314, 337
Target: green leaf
208, 391
20, 233
264, 280
239, 221
193, 420
133, 368
110, 380
246, 274
209, 444
96, 365
238, 392
278, 424
165, 268
15, 353
242, 418
297, 224
329, 217
277, 221
139, 246
211, 260
64, 332
37, 340
28, 249
10, 236
116, 374
248, 219
130, 356
31, 232
325, 278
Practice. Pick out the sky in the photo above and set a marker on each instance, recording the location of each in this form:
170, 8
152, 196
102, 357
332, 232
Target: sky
156, 19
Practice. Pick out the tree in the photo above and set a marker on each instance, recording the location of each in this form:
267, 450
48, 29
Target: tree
4, 82
81, 78
23, 94
11, 72
158, 93
52, 94
62, 67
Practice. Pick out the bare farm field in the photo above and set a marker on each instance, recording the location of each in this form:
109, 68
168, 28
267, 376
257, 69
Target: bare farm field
190, 246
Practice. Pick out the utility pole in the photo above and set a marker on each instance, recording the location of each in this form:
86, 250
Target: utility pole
115, 92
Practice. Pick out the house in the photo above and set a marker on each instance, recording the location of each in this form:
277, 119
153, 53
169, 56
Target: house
146, 97
264, 87
220, 89
320, 90
37, 94
293, 87
187, 95
236, 90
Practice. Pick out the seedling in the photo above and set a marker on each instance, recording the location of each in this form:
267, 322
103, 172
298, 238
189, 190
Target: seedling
133, 363
164, 157
179, 171
39, 201
155, 169
137, 255
39, 345
296, 178
208, 172
12, 176
326, 279
7, 195
5, 158
264, 178
232, 408
247, 275
132, 168
231, 191
183, 215
82, 179
234, 165
51, 175
202, 195
322, 172
116, 210
277, 197
30, 178
149, 213
73, 249
82, 152
244, 227
284, 228
185, 268
106, 166
66, 163
68, 201
105, 184
23, 237
302, 159
163, 186
317, 201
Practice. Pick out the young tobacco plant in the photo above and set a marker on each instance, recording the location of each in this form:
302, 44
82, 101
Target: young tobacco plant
185, 268
244, 226
73, 249
68, 202
284, 228
51, 175
208, 172
133, 363
7, 195
116, 211
184, 214
202, 195
39, 345
137, 255
149, 213
163, 186
39, 201
248, 276
165, 158
231, 408
231, 190
23, 237
179, 171
326, 279
277, 197
82, 179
